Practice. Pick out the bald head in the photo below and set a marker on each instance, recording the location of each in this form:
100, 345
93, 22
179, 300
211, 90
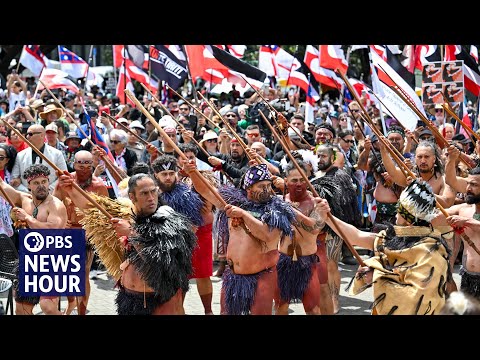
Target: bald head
83, 155
260, 148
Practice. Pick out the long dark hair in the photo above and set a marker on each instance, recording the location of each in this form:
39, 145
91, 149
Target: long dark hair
11, 154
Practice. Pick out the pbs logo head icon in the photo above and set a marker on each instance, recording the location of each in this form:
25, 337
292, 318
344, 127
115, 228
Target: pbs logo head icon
34, 242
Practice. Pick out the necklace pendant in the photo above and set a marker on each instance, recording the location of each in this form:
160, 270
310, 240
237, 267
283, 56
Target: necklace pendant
35, 213
476, 216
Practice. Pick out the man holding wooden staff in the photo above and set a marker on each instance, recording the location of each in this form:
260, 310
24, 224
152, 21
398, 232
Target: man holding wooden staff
410, 269
250, 280
40, 210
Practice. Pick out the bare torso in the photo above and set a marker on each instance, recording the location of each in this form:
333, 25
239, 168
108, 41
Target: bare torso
249, 256
305, 241
383, 194
472, 262
131, 278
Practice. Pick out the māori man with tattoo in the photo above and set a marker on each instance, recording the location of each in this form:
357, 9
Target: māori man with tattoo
410, 269
299, 264
254, 220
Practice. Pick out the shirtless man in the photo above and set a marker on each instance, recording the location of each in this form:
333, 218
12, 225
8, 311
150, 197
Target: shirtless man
83, 176
429, 167
256, 222
40, 210
299, 264
386, 192
467, 216
159, 243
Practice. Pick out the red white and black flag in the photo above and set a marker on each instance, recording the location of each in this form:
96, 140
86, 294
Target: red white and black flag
214, 64
304, 79
426, 54
165, 66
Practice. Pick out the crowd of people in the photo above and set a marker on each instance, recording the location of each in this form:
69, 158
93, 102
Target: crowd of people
247, 182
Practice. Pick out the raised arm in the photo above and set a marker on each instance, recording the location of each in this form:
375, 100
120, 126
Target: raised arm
458, 183
189, 167
14, 195
395, 172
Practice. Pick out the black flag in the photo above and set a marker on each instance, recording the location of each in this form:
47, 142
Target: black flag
167, 67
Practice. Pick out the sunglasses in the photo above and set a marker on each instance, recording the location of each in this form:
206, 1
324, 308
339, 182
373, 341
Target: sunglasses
28, 134
349, 141
115, 141
438, 110
355, 110
3, 158
253, 134
211, 140
231, 115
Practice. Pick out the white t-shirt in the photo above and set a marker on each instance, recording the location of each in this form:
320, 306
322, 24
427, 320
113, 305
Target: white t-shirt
16, 100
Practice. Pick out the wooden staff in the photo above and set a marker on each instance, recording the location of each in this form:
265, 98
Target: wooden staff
178, 122
143, 141
172, 144
60, 171
104, 158
365, 116
205, 152
194, 107
398, 159
448, 109
408, 172
234, 133
276, 112
443, 143
312, 188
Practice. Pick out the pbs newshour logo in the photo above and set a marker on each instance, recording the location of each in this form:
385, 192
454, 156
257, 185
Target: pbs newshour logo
52, 262
34, 242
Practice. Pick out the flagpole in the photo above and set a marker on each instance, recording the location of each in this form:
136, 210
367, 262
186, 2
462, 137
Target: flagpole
88, 68
113, 62
291, 66
194, 90
124, 75
372, 69
342, 88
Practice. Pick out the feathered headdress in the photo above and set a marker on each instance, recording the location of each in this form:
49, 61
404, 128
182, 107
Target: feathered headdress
417, 202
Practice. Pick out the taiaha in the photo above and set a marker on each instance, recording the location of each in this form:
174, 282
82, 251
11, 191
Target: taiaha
126, 128
171, 143
448, 109
442, 142
194, 108
183, 130
60, 171
104, 158
279, 115
234, 133
314, 192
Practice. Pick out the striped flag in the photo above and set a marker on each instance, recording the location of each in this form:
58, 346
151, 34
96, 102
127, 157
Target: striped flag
71, 63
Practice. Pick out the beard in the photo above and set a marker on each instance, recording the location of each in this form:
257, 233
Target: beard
41, 193
472, 198
324, 166
424, 170
167, 187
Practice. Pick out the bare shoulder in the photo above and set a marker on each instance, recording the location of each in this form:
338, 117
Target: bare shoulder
56, 203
